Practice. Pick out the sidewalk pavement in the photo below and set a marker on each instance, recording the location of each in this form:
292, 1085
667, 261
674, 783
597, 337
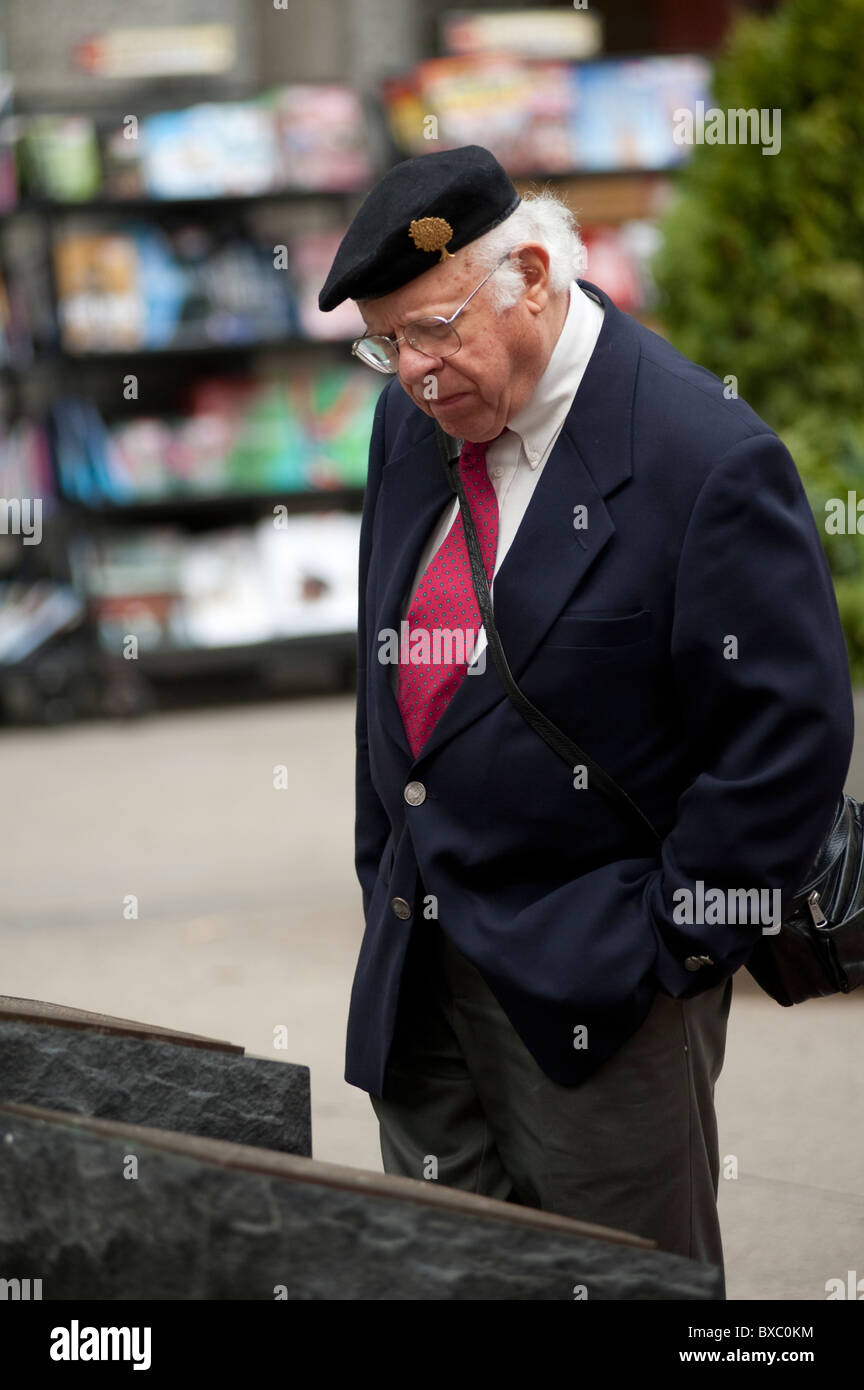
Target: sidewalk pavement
249, 918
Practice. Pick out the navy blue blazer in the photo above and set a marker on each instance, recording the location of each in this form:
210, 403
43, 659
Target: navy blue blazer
697, 530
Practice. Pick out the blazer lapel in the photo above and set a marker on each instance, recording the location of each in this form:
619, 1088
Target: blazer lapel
414, 492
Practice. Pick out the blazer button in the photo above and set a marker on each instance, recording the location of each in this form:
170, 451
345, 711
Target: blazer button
415, 793
696, 962
401, 908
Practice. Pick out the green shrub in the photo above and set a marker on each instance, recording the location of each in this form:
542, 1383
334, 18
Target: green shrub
761, 271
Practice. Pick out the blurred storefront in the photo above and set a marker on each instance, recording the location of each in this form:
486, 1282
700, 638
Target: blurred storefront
183, 436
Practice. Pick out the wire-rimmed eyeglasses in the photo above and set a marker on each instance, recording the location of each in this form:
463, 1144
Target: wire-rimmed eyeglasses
434, 336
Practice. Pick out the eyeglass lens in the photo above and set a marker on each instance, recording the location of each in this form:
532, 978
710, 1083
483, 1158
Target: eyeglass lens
429, 336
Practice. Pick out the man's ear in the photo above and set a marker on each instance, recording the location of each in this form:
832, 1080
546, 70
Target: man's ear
533, 261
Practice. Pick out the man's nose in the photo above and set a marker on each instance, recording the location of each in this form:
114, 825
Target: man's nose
414, 365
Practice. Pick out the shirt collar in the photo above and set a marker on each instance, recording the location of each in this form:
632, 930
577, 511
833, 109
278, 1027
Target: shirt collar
542, 416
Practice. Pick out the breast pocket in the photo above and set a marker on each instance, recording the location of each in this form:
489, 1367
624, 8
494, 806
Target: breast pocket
600, 627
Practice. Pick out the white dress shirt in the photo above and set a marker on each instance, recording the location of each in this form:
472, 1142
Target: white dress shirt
515, 461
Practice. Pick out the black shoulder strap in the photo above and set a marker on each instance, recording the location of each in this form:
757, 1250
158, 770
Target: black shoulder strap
557, 740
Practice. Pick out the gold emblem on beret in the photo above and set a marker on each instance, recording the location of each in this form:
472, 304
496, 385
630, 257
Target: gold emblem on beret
431, 234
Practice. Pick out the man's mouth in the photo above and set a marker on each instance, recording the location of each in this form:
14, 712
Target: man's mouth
449, 400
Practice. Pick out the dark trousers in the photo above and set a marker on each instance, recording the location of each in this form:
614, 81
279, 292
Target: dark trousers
633, 1147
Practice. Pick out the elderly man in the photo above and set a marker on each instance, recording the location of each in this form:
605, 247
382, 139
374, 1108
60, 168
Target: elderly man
536, 1014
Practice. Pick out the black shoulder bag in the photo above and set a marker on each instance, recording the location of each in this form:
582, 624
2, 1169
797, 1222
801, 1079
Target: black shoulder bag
819, 949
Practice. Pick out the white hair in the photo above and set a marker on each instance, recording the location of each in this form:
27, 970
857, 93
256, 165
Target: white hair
541, 217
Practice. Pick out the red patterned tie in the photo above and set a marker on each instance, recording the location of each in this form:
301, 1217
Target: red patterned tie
445, 601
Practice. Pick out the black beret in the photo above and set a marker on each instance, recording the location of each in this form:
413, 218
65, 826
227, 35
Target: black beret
423, 210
